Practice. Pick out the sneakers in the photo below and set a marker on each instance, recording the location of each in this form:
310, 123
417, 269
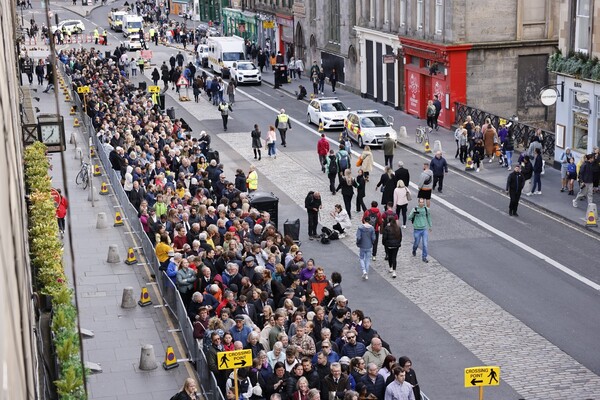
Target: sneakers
477, 170
538, 192
562, 189
342, 235
364, 276
508, 168
529, 194
403, 226
575, 203
414, 252
491, 159
425, 260
373, 258
394, 274
391, 271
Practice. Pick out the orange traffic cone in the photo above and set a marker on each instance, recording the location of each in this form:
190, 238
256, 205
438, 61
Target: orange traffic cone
591, 220
320, 126
92, 151
170, 359
97, 170
469, 165
145, 299
104, 189
427, 148
131, 257
118, 219
76, 122
72, 112
67, 98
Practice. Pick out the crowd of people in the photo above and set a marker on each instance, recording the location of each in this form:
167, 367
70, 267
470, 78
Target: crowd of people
244, 284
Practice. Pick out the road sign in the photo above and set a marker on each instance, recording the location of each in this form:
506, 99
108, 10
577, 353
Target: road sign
234, 359
182, 81
482, 376
83, 89
154, 89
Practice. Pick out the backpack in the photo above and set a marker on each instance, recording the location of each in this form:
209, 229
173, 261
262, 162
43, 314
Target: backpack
344, 162
371, 218
333, 168
324, 239
331, 234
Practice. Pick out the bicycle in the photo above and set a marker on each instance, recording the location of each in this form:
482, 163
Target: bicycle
422, 133
83, 177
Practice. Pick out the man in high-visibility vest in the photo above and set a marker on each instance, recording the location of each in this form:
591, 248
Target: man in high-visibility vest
151, 34
105, 37
252, 179
96, 36
282, 122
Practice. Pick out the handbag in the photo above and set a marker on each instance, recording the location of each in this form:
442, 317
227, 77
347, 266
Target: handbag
359, 161
408, 196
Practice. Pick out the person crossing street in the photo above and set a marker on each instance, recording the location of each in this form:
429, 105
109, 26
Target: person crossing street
225, 108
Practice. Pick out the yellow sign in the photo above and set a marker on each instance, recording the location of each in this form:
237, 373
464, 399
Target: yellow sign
154, 89
234, 359
83, 89
482, 376
268, 24
501, 121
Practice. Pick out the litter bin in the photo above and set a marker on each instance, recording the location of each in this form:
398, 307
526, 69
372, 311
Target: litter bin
142, 86
171, 113
265, 201
292, 228
281, 73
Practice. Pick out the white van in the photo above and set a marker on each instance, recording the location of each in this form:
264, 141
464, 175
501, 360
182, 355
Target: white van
223, 52
115, 20
132, 24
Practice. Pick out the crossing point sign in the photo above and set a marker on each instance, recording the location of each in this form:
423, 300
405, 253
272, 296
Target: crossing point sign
482, 376
234, 359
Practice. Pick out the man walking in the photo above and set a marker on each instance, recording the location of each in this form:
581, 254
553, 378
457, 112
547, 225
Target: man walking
374, 218
365, 238
586, 181
514, 187
439, 167
425, 184
322, 151
313, 204
388, 150
421, 219
282, 122
438, 108
224, 108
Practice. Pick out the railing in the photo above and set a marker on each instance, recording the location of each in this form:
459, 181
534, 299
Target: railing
167, 288
522, 132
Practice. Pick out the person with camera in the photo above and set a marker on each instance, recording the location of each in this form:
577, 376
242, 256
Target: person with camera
277, 383
421, 220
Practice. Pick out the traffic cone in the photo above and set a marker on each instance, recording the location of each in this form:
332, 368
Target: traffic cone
591, 220
67, 98
469, 165
104, 189
92, 151
170, 359
131, 257
76, 122
145, 299
97, 170
320, 126
118, 219
72, 112
427, 148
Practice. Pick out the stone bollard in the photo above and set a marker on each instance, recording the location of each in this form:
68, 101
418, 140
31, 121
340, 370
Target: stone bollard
78, 153
93, 194
128, 301
437, 146
147, 358
113, 255
402, 132
101, 222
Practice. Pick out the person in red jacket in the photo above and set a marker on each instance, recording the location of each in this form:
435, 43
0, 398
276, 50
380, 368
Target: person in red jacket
61, 204
373, 217
322, 151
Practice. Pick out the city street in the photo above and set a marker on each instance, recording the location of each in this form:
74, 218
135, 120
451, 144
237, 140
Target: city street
522, 293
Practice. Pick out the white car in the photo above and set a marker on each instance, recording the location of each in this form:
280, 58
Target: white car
246, 72
327, 110
133, 42
71, 25
369, 127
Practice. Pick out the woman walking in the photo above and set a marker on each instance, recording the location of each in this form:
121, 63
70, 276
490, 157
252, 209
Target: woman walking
392, 240
401, 199
196, 88
360, 191
271, 138
347, 185
256, 142
366, 162
155, 76
387, 182
333, 78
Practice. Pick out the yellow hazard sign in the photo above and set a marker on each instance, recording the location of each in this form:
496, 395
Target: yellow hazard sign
234, 359
482, 376
83, 89
154, 89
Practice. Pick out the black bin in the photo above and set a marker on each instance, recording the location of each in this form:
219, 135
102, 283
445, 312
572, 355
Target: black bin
265, 201
142, 86
281, 74
292, 228
171, 113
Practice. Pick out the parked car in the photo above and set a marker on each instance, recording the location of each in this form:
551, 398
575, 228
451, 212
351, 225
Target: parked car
246, 72
369, 127
327, 110
72, 26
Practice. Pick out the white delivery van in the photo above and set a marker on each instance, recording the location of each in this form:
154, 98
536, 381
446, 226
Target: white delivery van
132, 24
115, 20
223, 52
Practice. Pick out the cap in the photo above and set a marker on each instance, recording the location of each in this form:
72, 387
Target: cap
341, 297
233, 287
345, 360
289, 291
239, 317
249, 258
314, 300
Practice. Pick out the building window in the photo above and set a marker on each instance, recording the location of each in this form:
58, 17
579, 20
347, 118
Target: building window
439, 16
420, 14
334, 19
313, 10
403, 13
582, 26
581, 117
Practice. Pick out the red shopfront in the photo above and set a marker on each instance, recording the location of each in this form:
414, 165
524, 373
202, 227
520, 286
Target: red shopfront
285, 31
431, 69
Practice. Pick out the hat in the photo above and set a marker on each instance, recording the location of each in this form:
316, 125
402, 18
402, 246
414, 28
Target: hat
345, 360
341, 297
171, 253
289, 291
239, 317
249, 258
314, 300
233, 287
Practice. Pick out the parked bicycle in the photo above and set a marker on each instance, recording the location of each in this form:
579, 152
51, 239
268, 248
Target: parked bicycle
422, 134
83, 177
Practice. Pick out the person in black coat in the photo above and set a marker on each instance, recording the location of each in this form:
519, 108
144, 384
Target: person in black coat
136, 195
392, 240
189, 391
388, 184
155, 76
360, 192
514, 187
402, 174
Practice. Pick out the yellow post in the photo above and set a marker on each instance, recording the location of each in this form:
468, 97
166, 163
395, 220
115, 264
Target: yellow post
480, 392
236, 383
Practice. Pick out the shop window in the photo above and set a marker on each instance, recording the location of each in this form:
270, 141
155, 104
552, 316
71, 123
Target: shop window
580, 131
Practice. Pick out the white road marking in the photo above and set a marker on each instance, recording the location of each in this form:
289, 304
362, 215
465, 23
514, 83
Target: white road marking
459, 211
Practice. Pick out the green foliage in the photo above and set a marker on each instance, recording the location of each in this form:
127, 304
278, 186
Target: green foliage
46, 258
578, 65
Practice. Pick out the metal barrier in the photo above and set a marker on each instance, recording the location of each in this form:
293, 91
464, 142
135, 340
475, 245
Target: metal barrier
522, 132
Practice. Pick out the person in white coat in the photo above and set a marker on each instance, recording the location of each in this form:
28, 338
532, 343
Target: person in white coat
401, 199
342, 220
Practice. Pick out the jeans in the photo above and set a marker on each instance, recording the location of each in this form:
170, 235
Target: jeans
537, 181
272, 151
323, 161
419, 234
365, 260
321, 86
375, 243
509, 154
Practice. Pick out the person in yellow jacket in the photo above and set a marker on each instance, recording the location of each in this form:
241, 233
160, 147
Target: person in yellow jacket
252, 179
96, 36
